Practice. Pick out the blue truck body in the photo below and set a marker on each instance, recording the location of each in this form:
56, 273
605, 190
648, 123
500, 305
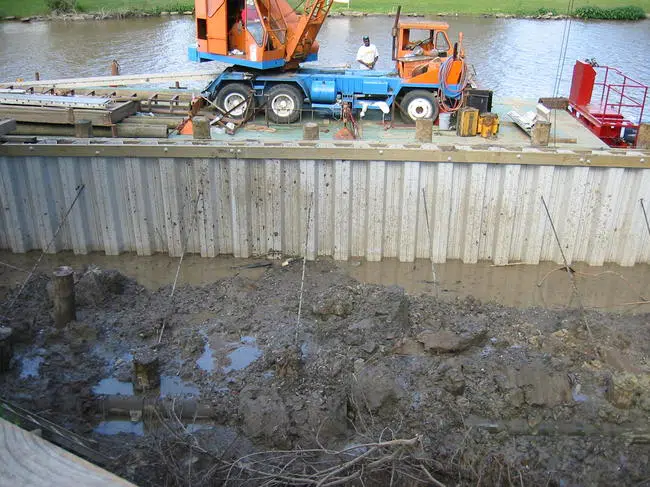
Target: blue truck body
323, 88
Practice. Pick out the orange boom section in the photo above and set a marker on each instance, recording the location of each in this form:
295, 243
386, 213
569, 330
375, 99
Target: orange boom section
260, 31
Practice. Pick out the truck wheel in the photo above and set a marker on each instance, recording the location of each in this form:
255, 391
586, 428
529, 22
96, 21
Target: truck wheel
284, 103
418, 105
234, 95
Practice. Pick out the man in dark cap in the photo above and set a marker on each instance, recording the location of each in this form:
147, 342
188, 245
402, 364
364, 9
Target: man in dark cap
367, 54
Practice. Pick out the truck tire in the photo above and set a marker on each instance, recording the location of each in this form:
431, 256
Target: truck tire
284, 103
230, 96
419, 104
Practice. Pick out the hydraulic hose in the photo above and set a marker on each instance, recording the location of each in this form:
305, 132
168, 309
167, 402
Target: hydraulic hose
446, 90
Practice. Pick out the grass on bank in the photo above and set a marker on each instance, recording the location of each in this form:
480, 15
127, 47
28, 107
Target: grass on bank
27, 8
596, 9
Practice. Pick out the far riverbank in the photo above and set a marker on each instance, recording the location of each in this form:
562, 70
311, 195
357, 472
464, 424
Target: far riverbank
38, 10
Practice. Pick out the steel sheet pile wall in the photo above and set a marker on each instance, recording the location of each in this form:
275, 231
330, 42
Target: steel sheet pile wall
363, 208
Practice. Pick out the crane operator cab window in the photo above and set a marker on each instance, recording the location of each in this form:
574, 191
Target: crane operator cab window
427, 43
251, 17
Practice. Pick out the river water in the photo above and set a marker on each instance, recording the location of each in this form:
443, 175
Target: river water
513, 57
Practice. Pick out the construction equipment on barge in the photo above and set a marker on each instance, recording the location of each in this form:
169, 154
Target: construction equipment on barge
265, 41
616, 116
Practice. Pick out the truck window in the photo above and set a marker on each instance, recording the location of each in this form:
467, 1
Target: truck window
442, 43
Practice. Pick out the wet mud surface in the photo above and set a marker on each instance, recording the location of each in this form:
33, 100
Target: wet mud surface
494, 395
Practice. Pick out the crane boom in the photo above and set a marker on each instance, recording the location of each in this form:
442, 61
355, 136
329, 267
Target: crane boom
302, 37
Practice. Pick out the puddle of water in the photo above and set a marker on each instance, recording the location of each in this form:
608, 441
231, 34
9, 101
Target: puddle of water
117, 426
30, 366
608, 287
113, 426
193, 428
112, 386
487, 350
169, 386
243, 356
175, 386
206, 360
577, 395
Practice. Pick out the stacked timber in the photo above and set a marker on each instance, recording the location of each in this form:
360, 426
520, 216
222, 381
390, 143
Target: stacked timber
64, 110
58, 115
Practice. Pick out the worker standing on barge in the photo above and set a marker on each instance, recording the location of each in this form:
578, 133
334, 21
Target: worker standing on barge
367, 54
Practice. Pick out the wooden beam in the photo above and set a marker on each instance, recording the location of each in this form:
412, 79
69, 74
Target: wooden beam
7, 126
123, 80
68, 115
155, 131
350, 151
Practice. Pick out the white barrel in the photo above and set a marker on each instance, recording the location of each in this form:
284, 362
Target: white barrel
444, 120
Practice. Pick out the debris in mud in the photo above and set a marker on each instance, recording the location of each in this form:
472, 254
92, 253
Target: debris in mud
373, 384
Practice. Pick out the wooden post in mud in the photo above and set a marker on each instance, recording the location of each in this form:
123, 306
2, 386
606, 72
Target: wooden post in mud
63, 296
541, 134
145, 369
310, 131
423, 130
6, 348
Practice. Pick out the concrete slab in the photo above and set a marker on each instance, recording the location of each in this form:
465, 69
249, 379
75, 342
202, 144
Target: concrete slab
28, 460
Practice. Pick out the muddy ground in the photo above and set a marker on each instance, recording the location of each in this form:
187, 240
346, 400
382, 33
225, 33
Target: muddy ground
465, 392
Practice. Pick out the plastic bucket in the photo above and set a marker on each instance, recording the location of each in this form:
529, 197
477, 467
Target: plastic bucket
444, 121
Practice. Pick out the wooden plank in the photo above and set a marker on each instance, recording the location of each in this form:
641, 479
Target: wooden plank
132, 130
57, 115
397, 152
122, 80
7, 126
123, 110
40, 462
19, 139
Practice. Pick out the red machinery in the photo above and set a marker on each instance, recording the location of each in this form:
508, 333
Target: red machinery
616, 116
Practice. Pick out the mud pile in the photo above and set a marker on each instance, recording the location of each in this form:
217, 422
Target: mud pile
500, 396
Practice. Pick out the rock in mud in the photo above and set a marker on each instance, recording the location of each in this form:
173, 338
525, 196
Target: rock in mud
542, 388
454, 381
264, 416
392, 306
445, 341
320, 415
455, 337
626, 390
288, 362
375, 388
408, 346
95, 286
339, 302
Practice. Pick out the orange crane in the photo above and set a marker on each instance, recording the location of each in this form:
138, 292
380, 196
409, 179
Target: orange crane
265, 42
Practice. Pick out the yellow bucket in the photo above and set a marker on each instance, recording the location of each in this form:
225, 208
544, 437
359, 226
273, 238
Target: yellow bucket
467, 123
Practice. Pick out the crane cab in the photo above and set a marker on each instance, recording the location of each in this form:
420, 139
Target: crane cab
257, 34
